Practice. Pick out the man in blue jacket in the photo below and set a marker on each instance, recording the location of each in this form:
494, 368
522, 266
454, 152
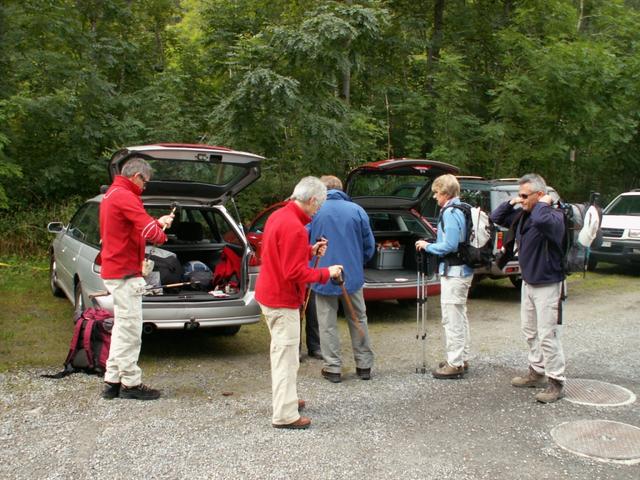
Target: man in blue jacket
539, 230
350, 243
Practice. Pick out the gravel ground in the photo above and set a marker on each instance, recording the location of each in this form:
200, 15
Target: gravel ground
398, 425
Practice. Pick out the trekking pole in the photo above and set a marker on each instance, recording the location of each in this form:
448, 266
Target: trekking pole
421, 314
304, 309
347, 301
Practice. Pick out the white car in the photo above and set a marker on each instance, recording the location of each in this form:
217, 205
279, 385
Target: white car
620, 232
198, 179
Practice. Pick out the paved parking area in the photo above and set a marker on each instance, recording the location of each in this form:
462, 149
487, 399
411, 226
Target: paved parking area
398, 425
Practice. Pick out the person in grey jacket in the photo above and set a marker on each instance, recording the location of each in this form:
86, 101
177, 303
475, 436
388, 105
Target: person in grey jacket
539, 229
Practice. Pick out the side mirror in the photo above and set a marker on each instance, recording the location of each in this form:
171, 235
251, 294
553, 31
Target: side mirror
55, 227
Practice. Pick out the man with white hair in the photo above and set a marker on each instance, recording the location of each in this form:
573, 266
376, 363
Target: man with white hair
539, 229
280, 291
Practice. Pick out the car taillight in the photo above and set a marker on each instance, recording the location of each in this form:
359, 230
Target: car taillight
254, 261
499, 240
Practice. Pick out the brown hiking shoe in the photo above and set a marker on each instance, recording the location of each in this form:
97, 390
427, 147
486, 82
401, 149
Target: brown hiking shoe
448, 372
532, 379
301, 424
553, 392
465, 365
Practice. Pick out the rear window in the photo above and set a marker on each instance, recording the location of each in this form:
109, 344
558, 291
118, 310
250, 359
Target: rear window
389, 185
208, 172
625, 205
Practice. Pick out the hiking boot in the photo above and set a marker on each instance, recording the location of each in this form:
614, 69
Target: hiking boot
465, 365
532, 379
139, 392
111, 390
448, 372
315, 354
553, 392
363, 373
332, 377
301, 424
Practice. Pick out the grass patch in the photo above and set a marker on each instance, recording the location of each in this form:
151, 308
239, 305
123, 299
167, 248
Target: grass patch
35, 327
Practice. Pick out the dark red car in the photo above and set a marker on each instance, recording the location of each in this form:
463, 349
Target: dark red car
391, 192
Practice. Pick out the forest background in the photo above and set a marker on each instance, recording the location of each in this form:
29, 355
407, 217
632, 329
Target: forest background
497, 87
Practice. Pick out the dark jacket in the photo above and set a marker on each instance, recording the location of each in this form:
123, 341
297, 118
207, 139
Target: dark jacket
539, 241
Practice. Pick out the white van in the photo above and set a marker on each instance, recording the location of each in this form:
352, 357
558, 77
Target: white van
620, 231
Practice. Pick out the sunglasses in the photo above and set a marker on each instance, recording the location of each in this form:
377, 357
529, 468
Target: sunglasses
144, 180
524, 196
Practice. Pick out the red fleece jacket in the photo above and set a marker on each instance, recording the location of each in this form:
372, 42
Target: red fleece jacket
124, 228
286, 252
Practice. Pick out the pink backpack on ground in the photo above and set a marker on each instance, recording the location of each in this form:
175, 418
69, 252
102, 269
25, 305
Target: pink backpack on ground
89, 348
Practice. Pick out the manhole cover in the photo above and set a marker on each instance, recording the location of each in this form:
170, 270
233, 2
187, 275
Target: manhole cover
601, 440
593, 392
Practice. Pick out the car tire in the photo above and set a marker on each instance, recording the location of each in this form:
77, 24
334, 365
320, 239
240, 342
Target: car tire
78, 300
227, 331
53, 278
516, 281
592, 263
406, 302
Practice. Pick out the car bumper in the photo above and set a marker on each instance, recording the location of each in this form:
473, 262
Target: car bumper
622, 252
394, 291
511, 269
160, 314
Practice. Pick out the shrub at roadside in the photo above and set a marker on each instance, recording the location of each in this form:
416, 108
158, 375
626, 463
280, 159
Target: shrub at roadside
23, 230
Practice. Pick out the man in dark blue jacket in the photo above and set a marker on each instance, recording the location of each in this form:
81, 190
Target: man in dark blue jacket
539, 230
346, 227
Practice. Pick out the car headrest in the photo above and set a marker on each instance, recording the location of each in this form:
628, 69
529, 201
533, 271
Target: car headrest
189, 231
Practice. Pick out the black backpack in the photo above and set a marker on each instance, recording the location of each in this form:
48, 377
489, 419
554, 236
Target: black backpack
89, 348
169, 267
476, 249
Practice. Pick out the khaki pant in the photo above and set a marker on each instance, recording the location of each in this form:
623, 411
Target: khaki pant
539, 317
453, 303
327, 311
122, 364
284, 326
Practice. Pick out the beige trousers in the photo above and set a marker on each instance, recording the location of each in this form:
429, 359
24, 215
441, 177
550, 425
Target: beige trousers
122, 364
539, 316
284, 326
453, 303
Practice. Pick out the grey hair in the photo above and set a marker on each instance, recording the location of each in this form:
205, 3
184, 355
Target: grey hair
137, 165
537, 182
331, 182
308, 188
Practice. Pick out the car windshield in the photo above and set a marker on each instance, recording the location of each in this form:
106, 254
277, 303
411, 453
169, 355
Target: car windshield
207, 172
625, 205
389, 185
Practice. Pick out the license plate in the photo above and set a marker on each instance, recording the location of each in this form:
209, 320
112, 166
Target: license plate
606, 244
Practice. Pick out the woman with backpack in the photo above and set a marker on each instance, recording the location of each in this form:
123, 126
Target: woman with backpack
455, 277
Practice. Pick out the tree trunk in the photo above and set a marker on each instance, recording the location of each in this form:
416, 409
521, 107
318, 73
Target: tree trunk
436, 38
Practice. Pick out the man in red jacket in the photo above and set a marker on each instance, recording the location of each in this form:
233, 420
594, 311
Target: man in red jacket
125, 227
280, 290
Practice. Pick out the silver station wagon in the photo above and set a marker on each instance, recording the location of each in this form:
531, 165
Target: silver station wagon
196, 180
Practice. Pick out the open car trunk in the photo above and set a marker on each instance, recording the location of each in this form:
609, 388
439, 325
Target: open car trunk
395, 258
204, 255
